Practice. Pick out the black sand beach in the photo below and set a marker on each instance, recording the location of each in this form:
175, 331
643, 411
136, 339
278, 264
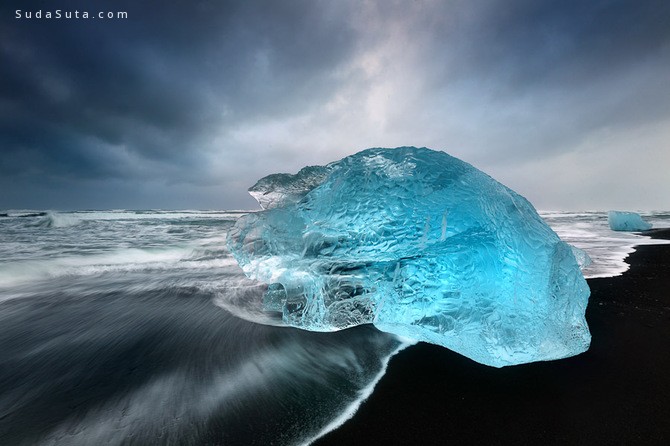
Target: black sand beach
618, 392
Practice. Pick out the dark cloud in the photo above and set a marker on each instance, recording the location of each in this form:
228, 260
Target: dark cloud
525, 44
558, 68
187, 103
95, 98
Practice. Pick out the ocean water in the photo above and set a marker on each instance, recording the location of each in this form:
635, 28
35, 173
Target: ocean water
589, 230
138, 327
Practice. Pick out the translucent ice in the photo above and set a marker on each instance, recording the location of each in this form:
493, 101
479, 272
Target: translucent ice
421, 244
582, 258
626, 221
282, 188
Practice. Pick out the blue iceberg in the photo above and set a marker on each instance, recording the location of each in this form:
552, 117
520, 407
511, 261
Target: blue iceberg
626, 221
422, 245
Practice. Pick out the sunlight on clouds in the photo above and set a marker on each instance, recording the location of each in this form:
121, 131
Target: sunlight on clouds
613, 162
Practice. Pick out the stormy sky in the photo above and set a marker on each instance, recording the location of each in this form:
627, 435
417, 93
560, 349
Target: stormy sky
185, 104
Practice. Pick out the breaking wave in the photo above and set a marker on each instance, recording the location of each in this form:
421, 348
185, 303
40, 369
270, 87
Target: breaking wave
55, 220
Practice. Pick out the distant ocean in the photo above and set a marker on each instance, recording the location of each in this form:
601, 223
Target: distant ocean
138, 327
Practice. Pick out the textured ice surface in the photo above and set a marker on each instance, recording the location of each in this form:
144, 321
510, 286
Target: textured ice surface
626, 221
581, 256
283, 188
421, 244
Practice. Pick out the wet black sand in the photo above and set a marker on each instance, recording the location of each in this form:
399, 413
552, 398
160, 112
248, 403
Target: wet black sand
616, 393
167, 367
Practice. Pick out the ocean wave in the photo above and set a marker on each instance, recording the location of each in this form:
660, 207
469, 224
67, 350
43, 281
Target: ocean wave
54, 220
590, 232
120, 260
169, 368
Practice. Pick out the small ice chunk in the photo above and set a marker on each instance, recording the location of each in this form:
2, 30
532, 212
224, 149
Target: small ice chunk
626, 221
583, 259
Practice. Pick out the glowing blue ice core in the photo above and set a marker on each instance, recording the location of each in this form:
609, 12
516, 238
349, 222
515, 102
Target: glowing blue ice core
626, 221
421, 244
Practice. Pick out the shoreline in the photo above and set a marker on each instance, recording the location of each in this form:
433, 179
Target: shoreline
618, 392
